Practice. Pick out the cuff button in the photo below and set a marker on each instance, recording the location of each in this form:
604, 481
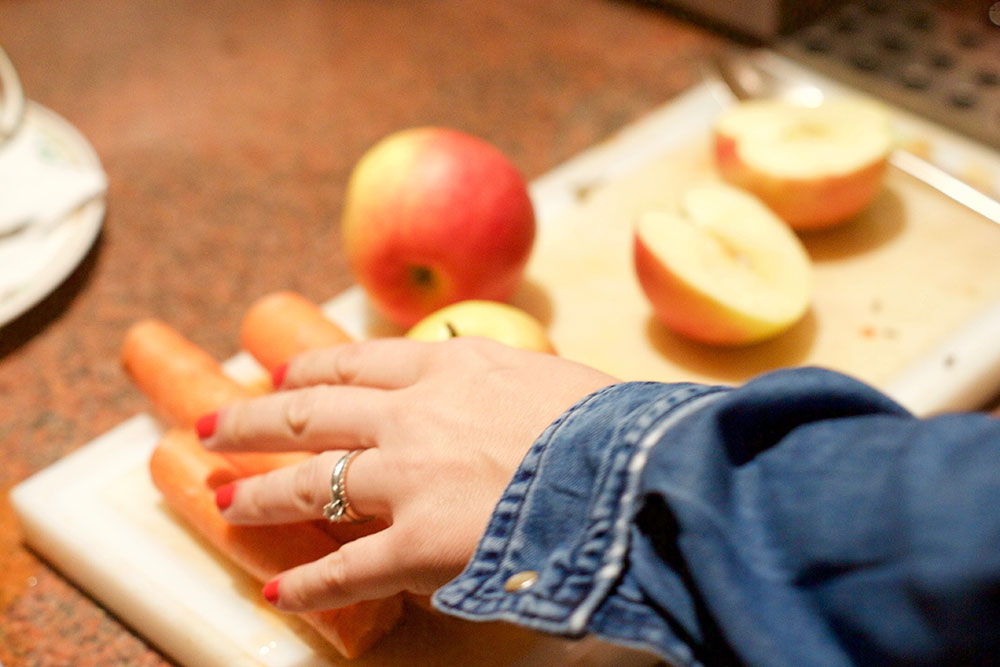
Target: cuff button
520, 581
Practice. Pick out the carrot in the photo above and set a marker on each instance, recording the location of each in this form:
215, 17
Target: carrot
187, 474
184, 382
282, 324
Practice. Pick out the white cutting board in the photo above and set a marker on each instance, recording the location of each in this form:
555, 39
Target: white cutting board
96, 516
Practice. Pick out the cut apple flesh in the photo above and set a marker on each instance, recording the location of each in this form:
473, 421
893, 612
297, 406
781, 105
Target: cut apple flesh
813, 166
723, 270
782, 139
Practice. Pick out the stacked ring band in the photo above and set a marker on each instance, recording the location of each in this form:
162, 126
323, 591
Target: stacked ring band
339, 508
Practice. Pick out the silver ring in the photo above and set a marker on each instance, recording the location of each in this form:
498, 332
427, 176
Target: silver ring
339, 508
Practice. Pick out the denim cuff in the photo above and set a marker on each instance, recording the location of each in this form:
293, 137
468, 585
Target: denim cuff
558, 539
803, 518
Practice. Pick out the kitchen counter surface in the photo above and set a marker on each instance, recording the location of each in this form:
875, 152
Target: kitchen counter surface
227, 131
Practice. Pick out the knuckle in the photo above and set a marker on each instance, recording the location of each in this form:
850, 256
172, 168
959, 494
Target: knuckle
474, 349
236, 426
295, 595
301, 405
397, 406
346, 363
463, 344
307, 493
333, 571
408, 559
249, 503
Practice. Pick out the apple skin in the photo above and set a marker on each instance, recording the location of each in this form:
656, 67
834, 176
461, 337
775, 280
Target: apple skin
805, 204
433, 216
708, 274
490, 319
816, 200
683, 309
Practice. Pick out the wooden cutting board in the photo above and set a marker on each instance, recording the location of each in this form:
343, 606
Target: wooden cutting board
909, 276
890, 286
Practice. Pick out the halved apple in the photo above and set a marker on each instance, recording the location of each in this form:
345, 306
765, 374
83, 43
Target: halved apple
813, 166
724, 269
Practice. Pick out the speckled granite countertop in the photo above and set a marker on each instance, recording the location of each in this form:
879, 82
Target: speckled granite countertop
227, 131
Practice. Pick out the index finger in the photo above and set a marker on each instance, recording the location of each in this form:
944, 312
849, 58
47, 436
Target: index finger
383, 363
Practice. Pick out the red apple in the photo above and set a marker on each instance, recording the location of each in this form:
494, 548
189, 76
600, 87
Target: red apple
724, 270
434, 216
813, 166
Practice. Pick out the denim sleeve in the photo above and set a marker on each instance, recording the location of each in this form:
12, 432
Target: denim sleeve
801, 519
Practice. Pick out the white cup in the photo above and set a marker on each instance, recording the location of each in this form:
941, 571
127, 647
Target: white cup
12, 99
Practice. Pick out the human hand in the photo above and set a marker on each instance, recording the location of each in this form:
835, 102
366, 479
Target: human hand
442, 428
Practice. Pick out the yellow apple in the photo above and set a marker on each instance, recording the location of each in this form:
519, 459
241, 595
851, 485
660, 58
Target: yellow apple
813, 166
433, 216
490, 319
723, 269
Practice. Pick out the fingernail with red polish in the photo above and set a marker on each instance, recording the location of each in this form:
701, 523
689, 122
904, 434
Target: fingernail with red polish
224, 495
278, 375
271, 591
205, 426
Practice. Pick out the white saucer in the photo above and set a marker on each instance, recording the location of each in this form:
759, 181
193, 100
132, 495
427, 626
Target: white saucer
68, 243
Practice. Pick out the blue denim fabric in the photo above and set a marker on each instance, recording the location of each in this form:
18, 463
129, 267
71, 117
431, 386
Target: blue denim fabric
801, 519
